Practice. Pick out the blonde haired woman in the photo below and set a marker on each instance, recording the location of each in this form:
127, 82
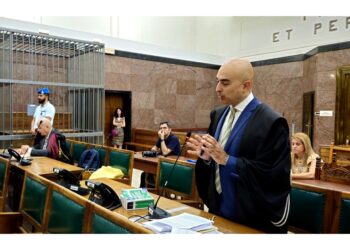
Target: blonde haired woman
303, 157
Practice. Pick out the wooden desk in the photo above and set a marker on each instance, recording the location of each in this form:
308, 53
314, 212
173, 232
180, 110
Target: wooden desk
149, 164
44, 165
319, 184
223, 225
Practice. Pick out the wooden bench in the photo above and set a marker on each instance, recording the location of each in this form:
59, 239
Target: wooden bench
336, 163
21, 122
143, 139
342, 153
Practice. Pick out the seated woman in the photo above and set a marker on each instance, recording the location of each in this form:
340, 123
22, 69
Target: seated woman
303, 157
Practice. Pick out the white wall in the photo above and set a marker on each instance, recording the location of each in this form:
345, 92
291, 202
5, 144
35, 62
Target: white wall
204, 39
268, 37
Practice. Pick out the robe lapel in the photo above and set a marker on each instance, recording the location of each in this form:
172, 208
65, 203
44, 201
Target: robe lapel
237, 131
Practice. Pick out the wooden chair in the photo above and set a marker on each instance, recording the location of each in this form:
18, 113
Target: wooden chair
104, 221
69, 145
102, 151
307, 211
31, 216
77, 149
124, 160
67, 211
181, 184
4, 178
342, 215
36, 192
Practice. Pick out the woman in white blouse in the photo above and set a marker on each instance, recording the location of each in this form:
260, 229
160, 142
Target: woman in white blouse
303, 157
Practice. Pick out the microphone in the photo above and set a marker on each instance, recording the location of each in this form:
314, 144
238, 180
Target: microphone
155, 212
24, 162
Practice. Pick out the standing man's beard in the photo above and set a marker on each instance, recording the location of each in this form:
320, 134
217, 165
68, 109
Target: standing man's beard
41, 101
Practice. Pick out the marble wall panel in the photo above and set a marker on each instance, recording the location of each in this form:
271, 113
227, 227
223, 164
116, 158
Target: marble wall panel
143, 100
205, 74
171, 91
117, 81
205, 98
141, 83
162, 115
326, 80
186, 103
165, 101
140, 67
325, 100
186, 87
178, 119
164, 83
327, 61
143, 118
323, 131
186, 72
167, 89
202, 118
318, 74
122, 65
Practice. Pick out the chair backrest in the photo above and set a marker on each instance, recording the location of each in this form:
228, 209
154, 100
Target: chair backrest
4, 177
307, 211
78, 148
122, 159
102, 151
67, 211
182, 179
33, 204
104, 221
344, 216
69, 145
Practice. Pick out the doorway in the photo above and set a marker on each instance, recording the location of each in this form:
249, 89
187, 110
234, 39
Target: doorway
308, 114
342, 106
114, 99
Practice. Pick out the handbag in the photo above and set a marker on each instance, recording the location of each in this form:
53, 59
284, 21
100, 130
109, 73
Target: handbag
114, 132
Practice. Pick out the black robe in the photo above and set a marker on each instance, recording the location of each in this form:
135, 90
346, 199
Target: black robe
263, 165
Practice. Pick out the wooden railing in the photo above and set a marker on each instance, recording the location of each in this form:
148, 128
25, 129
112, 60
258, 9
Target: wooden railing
21, 122
143, 139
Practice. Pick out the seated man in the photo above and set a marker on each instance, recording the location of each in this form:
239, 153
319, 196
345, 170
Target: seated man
167, 144
47, 146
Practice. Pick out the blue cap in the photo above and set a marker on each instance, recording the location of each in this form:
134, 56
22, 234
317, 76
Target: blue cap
44, 91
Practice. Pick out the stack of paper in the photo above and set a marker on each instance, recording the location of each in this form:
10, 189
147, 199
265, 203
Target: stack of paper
179, 223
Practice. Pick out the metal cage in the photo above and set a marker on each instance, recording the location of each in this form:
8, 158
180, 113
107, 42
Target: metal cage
73, 70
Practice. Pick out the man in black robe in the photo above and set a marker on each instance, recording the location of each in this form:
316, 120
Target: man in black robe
243, 169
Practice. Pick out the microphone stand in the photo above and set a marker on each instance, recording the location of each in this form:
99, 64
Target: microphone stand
155, 212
